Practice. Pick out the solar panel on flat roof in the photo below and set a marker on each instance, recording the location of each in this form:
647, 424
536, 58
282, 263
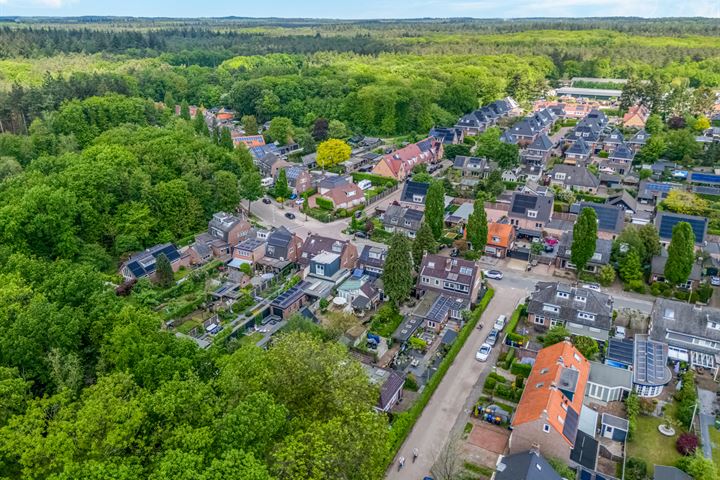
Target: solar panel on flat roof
707, 190
699, 177
620, 350
658, 187
668, 222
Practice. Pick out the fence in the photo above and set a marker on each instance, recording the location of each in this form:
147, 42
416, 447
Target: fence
382, 195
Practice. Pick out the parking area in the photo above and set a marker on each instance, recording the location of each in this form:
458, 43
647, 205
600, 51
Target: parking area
485, 443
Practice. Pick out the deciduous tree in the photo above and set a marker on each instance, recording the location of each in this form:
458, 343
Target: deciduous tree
251, 187
281, 130
681, 254
584, 238
435, 208
331, 152
398, 271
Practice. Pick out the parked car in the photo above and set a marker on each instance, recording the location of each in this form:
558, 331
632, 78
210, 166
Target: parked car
483, 353
500, 323
591, 286
293, 196
361, 235
549, 248
289, 215
715, 281
358, 214
620, 332
299, 201
266, 201
492, 337
494, 274
454, 253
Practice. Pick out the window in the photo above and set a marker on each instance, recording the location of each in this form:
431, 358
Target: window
437, 282
551, 308
425, 280
539, 320
319, 269
559, 176
465, 271
596, 257
532, 213
563, 295
713, 325
544, 371
495, 239
560, 419
580, 298
555, 321
538, 225
546, 428
270, 250
407, 223
418, 198
586, 316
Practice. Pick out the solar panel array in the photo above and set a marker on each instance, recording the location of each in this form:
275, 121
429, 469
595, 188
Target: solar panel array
659, 187
620, 351
607, 215
289, 297
707, 190
650, 362
698, 177
522, 202
570, 427
667, 222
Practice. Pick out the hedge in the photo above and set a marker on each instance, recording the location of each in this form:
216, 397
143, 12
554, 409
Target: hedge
374, 179
324, 203
518, 368
497, 377
509, 359
489, 385
405, 421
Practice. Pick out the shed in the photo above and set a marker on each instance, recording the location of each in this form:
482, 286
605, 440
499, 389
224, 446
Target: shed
614, 428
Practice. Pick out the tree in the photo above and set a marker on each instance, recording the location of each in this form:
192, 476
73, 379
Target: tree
185, 110
251, 187
587, 346
493, 185
697, 466
584, 238
681, 146
653, 149
681, 254
477, 227
701, 124
630, 267
337, 129
200, 125
398, 271
561, 468
452, 151
424, 243
435, 208
227, 192
651, 242
636, 469
250, 124
163, 271
681, 201
654, 124
281, 130
331, 152
556, 334
320, 129
281, 188
449, 463
225, 140
606, 276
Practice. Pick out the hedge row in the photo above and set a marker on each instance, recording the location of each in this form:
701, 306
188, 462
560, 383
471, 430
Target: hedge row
324, 203
405, 421
518, 368
374, 179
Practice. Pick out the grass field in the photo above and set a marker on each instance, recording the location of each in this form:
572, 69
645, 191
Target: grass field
651, 446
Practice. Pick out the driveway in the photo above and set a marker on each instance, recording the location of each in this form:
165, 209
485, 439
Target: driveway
436, 422
706, 401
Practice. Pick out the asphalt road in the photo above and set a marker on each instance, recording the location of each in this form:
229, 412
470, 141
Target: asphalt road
433, 428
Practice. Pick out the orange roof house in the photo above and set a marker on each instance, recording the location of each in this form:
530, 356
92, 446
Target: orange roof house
548, 413
500, 239
250, 141
399, 164
636, 117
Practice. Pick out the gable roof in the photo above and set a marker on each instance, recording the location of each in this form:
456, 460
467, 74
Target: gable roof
576, 175
640, 138
666, 221
603, 247
610, 217
373, 256
522, 202
541, 142
570, 303
622, 152
410, 189
143, 263
502, 231
663, 472
395, 213
675, 322
456, 269
525, 466
315, 244
557, 380
280, 237
579, 147
624, 199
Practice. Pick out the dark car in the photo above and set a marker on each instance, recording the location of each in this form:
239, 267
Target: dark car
289, 215
492, 337
361, 234
358, 214
266, 201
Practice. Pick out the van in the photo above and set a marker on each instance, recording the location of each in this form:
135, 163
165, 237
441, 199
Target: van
364, 184
267, 182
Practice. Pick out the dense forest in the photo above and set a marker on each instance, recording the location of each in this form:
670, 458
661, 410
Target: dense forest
94, 165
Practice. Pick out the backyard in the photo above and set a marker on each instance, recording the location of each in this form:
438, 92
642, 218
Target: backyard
650, 445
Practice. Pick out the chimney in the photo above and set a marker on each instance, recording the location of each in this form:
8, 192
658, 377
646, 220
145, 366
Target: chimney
535, 448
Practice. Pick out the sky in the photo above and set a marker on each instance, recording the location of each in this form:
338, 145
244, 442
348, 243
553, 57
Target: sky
363, 8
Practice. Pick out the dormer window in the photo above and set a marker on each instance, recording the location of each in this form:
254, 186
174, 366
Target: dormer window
559, 176
532, 213
563, 295
431, 264
418, 198
669, 314
465, 271
580, 298
713, 325
586, 316
551, 308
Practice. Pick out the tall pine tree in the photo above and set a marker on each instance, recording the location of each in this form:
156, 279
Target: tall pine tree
281, 188
477, 228
225, 139
398, 271
424, 243
163, 271
584, 238
199, 123
435, 208
681, 254
185, 110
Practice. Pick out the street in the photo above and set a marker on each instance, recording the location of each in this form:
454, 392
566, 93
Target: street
433, 428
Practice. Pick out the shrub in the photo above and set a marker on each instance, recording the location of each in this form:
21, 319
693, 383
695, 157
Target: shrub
497, 377
411, 382
324, 304
632, 406
324, 203
687, 397
489, 385
606, 276
510, 355
635, 469
519, 381
521, 369
681, 295
687, 443
636, 286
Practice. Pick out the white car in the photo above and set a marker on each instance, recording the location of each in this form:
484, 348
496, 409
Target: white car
494, 274
500, 323
715, 281
620, 332
299, 201
483, 353
592, 286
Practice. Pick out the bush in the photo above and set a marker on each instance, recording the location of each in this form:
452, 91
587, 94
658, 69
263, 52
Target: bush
603, 154
636, 286
376, 180
681, 295
687, 443
510, 356
324, 303
635, 469
686, 397
516, 339
521, 369
632, 406
606, 276
497, 377
386, 320
508, 392
411, 382
489, 385
519, 381
704, 292
324, 203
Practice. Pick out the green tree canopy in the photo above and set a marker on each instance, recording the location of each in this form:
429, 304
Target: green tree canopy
398, 271
584, 238
424, 243
681, 254
477, 227
281, 188
435, 208
331, 152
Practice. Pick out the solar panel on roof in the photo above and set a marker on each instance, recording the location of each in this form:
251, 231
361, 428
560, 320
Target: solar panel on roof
650, 362
707, 190
668, 222
607, 216
658, 187
523, 202
570, 427
704, 178
620, 351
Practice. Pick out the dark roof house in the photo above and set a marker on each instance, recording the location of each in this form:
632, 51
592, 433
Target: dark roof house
666, 221
525, 466
143, 264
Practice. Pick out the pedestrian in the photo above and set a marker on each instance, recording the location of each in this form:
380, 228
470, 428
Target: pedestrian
415, 454
401, 463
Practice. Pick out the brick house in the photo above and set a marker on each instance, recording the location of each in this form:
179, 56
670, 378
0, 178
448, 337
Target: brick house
399, 164
636, 117
531, 210
451, 276
316, 244
500, 239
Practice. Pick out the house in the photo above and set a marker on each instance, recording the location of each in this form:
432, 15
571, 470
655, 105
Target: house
248, 251
613, 139
652, 193
249, 141
142, 264
316, 244
399, 164
403, 220
324, 273
289, 302
224, 232
439, 310
663, 472
638, 140
692, 332
299, 179
650, 370
528, 465
611, 219
372, 260
601, 257
574, 177
361, 161
636, 117
359, 291
448, 135
525, 131
538, 152
582, 311
607, 383
624, 201
578, 153
487, 116
657, 271
453, 276
414, 194
530, 211
500, 239
472, 167
547, 415
594, 93
621, 158
460, 216
270, 163
283, 247
588, 133
666, 221
391, 385
341, 191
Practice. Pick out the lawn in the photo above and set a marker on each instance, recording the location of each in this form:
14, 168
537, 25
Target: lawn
650, 445
251, 339
189, 325
715, 440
